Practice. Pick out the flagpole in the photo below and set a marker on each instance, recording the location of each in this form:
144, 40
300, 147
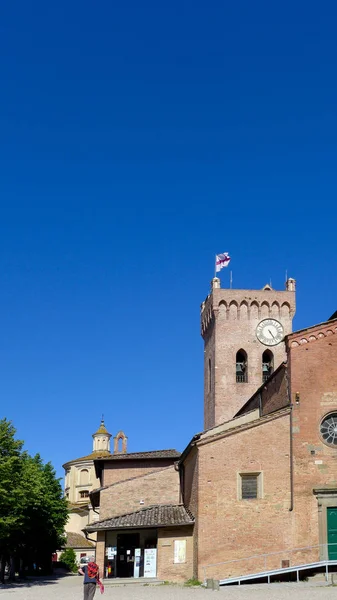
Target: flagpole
231, 280
215, 266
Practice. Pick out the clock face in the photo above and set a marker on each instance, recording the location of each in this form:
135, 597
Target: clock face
269, 332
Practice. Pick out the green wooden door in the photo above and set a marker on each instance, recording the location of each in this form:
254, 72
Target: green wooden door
332, 533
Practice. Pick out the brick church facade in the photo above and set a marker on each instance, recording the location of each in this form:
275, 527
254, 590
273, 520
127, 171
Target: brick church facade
261, 479
265, 482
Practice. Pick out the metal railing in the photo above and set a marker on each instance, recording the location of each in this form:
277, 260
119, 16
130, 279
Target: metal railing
241, 378
242, 572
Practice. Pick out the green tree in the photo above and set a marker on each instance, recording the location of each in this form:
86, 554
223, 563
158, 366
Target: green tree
68, 557
32, 507
10, 476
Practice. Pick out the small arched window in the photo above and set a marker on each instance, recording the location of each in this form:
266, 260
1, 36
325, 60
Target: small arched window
267, 364
241, 367
84, 494
209, 375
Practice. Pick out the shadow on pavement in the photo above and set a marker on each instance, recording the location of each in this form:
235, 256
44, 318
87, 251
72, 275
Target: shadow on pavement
32, 581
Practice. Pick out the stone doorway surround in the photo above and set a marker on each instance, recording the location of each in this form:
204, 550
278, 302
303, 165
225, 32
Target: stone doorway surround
326, 497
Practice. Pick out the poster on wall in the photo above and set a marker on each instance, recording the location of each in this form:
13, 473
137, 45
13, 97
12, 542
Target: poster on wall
150, 562
136, 565
112, 551
179, 551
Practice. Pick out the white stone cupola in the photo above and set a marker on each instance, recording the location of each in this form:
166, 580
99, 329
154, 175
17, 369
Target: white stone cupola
101, 439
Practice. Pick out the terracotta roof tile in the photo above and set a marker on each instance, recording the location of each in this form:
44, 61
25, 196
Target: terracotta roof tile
138, 455
76, 540
105, 455
152, 516
92, 456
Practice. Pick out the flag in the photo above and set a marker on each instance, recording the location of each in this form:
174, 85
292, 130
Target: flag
221, 261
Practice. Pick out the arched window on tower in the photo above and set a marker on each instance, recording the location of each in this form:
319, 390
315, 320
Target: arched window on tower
209, 375
267, 364
241, 367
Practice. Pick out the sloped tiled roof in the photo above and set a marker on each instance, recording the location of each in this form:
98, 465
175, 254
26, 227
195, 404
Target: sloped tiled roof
152, 516
92, 456
136, 455
105, 455
76, 540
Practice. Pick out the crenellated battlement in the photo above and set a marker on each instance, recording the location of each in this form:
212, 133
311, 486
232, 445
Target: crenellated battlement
238, 304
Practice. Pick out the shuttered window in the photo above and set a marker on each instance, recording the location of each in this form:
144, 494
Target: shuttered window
249, 486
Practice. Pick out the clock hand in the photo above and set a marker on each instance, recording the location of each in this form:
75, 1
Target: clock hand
271, 334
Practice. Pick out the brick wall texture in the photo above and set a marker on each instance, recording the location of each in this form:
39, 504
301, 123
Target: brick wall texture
155, 487
280, 442
230, 528
313, 376
273, 395
189, 483
228, 317
100, 552
115, 471
288, 440
167, 570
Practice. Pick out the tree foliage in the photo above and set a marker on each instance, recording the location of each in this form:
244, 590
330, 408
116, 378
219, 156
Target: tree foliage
68, 557
33, 511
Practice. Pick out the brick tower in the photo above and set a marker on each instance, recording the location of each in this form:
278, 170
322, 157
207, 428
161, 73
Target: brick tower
243, 332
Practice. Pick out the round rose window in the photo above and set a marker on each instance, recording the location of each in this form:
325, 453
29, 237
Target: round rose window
329, 429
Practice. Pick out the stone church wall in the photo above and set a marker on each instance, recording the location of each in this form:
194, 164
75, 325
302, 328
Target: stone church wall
77, 521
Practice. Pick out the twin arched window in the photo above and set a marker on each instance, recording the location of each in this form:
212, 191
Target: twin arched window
241, 367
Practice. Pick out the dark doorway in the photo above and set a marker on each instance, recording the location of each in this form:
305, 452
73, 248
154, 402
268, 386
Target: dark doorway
126, 545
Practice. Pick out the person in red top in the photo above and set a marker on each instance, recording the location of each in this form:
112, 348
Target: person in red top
91, 578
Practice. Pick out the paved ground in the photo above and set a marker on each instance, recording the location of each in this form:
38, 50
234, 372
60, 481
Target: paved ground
71, 588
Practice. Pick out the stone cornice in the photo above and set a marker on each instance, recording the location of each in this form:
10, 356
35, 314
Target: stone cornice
311, 334
325, 491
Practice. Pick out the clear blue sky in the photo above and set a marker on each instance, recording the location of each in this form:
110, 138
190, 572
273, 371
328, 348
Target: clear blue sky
137, 140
